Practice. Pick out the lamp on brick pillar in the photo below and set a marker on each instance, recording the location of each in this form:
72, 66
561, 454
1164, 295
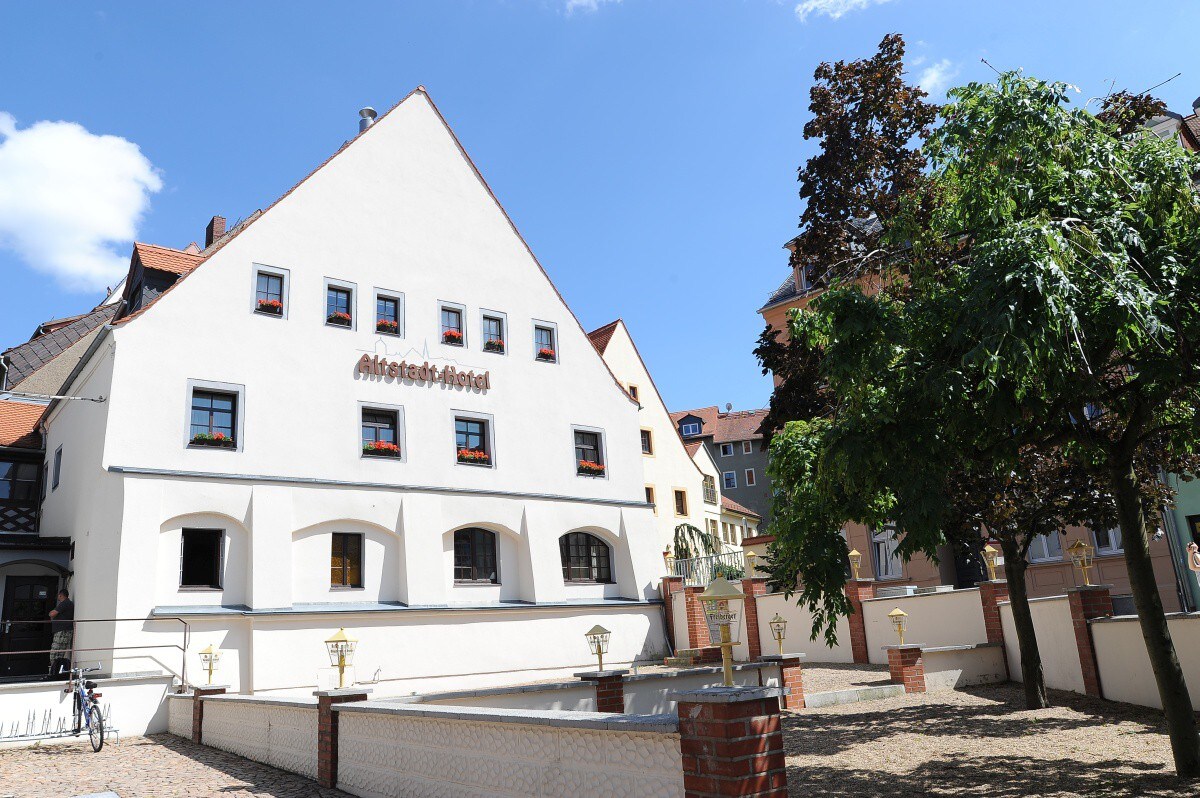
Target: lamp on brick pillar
899, 619
327, 730
990, 557
778, 626
731, 741
341, 653
198, 694
720, 604
857, 591
209, 657
597, 638
751, 564
1088, 603
855, 557
1081, 553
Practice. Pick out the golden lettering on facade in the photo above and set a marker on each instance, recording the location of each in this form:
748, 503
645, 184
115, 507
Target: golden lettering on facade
375, 366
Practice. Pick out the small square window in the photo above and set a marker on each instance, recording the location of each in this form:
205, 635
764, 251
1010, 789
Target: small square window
452, 326
589, 454
633, 392
747, 447
380, 433
727, 450
214, 419
471, 440
200, 563
681, 502
388, 319
268, 293
339, 306
545, 345
750, 476
647, 442
650, 498
493, 334
689, 429
346, 560
729, 480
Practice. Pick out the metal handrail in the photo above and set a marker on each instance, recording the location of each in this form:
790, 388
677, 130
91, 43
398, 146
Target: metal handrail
702, 570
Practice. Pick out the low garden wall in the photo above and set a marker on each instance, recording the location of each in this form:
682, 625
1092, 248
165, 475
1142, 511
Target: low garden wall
799, 627
955, 667
951, 618
1124, 665
275, 731
1055, 635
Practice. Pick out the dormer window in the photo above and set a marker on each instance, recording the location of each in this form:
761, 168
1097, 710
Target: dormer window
689, 428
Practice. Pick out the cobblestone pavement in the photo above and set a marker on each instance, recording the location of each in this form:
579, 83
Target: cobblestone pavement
980, 742
159, 766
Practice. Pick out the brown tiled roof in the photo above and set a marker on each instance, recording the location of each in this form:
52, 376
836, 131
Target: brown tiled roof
740, 425
600, 337
25, 359
1191, 130
707, 416
692, 447
18, 425
165, 259
729, 504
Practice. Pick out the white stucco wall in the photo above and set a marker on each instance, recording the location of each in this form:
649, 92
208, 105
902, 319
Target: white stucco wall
799, 630
1124, 665
934, 619
955, 667
277, 732
133, 705
1056, 643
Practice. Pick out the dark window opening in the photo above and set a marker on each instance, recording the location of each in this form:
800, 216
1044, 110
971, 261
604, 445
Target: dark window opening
544, 345
201, 558
214, 416
475, 556
647, 442
268, 294
338, 306
471, 441
493, 334
452, 326
379, 433
345, 562
585, 558
18, 481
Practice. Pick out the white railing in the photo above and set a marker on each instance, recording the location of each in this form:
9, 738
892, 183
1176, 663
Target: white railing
702, 570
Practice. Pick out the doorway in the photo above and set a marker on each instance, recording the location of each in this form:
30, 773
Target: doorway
27, 604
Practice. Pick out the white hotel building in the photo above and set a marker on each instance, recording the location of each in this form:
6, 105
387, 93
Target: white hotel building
227, 478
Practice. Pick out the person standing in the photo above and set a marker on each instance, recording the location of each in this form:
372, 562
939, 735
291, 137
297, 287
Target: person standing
62, 624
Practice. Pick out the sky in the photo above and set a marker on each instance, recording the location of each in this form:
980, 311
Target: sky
646, 149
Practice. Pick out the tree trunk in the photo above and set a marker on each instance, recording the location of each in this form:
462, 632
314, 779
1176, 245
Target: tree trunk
1018, 595
1172, 690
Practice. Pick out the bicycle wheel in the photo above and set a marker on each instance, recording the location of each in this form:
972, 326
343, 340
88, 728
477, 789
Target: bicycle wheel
96, 728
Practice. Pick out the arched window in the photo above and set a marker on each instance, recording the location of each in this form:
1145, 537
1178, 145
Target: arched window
475, 556
585, 558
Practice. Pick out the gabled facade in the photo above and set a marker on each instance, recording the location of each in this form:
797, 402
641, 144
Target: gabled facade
735, 444
366, 407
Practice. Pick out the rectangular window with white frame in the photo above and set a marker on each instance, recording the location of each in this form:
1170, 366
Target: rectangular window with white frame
339, 304
750, 477
270, 291
495, 331
727, 450
888, 564
747, 447
729, 480
453, 323
1108, 541
389, 312
689, 429
545, 342
1046, 548
589, 452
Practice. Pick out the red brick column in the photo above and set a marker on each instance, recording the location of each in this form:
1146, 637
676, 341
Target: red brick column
670, 586
991, 593
1087, 603
907, 667
327, 730
790, 677
732, 742
610, 689
859, 590
198, 694
753, 588
697, 624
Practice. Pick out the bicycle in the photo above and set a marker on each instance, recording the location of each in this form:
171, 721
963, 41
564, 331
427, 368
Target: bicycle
87, 706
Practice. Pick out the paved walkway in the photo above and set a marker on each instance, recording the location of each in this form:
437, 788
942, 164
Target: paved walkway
160, 766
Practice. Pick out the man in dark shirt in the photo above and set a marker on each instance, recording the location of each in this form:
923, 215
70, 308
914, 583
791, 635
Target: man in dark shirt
63, 625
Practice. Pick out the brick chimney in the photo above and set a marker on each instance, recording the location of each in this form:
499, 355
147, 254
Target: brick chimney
215, 229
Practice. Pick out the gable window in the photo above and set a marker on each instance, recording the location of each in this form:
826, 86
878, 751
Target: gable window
493, 334
1046, 548
57, 468
452, 326
200, 559
585, 558
750, 477
633, 392
680, 502
729, 480
214, 419
887, 563
268, 293
710, 489
346, 560
339, 306
472, 442
647, 442
388, 320
589, 453
690, 428
650, 498
475, 556
1108, 541
380, 433
747, 447
727, 450
545, 347
18, 481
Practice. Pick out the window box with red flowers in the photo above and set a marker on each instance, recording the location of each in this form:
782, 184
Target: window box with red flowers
271, 307
493, 345
547, 355
338, 319
474, 457
587, 468
387, 327
452, 337
381, 449
217, 440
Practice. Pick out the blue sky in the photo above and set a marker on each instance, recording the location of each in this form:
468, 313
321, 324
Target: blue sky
646, 148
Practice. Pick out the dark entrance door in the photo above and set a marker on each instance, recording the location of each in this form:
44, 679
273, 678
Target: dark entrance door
27, 599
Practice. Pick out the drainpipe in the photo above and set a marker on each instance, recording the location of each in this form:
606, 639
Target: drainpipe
3, 373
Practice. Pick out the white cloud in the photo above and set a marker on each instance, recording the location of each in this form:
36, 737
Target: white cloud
71, 201
936, 77
834, 9
590, 6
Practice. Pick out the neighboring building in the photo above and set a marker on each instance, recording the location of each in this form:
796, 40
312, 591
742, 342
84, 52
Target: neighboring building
735, 444
366, 407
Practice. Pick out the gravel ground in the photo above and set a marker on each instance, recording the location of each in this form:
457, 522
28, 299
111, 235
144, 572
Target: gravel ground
979, 742
825, 677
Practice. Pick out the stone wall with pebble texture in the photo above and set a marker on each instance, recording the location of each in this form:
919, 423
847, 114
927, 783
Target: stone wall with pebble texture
179, 715
278, 731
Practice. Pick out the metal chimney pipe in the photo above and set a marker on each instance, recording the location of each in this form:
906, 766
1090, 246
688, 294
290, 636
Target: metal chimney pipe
368, 118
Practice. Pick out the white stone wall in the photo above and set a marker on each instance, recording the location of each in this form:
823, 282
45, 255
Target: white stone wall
179, 715
1124, 665
277, 732
934, 619
389, 755
1056, 643
134, 705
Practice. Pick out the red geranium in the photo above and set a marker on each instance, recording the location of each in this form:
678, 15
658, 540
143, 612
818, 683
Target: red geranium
452, 337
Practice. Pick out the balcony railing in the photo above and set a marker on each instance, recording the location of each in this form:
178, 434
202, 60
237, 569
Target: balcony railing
699, 571
18, 515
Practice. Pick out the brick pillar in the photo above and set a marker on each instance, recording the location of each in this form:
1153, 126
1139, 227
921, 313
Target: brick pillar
791, 678
907, 667
670, 586
991, 593
1090, 602
696, 622
753, 588
732, 742
859, 590
327, 730
610, 689
198, 694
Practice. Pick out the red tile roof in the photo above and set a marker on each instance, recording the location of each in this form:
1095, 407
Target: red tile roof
692, 447
601, 336
729, 504
18, 425
739, 425
707, 416
165, 259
